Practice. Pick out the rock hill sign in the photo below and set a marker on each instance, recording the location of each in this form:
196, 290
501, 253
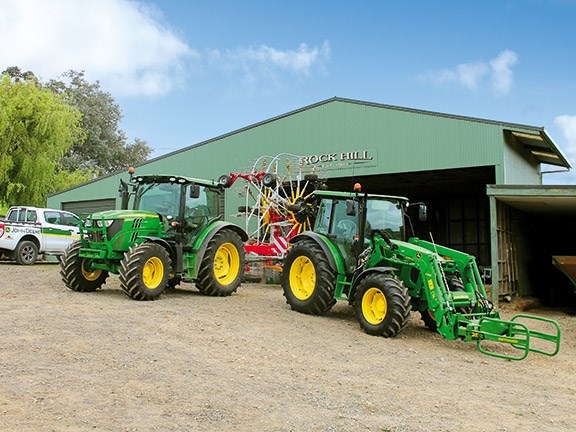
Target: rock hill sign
340, 159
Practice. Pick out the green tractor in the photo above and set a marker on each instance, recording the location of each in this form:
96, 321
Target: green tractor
172, 234
359, 252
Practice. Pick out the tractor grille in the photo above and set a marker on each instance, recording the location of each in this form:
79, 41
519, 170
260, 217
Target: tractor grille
136, 226
97, 235
114, 229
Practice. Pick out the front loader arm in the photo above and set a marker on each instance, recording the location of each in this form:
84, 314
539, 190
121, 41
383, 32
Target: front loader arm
466, 315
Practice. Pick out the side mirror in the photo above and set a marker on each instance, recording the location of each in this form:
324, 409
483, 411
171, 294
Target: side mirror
422, 212
124, 195
350, 208
194, 191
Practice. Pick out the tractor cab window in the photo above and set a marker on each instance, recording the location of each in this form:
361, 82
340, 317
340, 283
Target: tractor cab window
203, 208
333, 220
163, 198
344, 226
324, 217
385, 215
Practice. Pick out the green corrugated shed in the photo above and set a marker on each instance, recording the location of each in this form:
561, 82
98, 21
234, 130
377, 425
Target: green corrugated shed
398, 140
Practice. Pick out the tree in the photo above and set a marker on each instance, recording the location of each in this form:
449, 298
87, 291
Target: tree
37, 128
105, 149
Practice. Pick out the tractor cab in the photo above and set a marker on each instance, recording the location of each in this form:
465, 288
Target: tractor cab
348, 217
183, 204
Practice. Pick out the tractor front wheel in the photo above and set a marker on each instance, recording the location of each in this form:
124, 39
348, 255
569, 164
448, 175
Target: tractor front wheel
75, 272
144, 271
222, 266
382, 305
307, 280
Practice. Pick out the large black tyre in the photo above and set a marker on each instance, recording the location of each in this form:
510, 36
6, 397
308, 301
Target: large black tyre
26, 252
222, 266
144, 271
429, 320
307, 279
174, 281
74, 273
382, 305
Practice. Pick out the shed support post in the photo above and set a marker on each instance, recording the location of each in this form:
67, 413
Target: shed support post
494, 248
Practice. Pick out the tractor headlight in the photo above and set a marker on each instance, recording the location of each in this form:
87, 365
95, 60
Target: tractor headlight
107, 222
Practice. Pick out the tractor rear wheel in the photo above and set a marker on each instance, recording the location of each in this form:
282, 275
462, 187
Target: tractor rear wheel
307, 280
144, 271
222, 266
382, 305
75, 272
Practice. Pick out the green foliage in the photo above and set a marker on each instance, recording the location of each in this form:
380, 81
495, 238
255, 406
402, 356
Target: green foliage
105, 149
36, 130
58, 134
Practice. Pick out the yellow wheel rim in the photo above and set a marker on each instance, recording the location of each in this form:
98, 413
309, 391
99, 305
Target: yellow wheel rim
226, 263
374, 306
90, 275
153, 273
302, 278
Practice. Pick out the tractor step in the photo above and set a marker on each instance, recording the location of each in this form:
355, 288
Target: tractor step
515, 333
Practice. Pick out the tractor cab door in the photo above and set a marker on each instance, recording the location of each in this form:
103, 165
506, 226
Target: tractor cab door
335, 221
202, 205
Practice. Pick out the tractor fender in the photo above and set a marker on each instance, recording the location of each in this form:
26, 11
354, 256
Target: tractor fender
365, 273
162, 243
334, 257
201, 243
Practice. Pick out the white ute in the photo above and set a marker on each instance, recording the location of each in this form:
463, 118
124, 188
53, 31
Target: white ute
29, 231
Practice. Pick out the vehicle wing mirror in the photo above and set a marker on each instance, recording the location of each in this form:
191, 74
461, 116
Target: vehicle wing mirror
422, 212
194, 191
350, 208
124, 195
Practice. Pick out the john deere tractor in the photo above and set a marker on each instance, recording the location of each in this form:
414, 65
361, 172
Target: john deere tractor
359, 252
172, 234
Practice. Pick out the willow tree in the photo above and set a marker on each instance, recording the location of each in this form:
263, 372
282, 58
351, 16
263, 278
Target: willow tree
37, 128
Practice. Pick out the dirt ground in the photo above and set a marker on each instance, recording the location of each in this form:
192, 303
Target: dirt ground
103, 362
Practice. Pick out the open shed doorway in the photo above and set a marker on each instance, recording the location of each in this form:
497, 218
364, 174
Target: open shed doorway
531, 225
458, 208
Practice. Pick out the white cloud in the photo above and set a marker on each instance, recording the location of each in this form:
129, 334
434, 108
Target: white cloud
502, 71
473, 75
264, 64
299, 61
567, 124
128, 47
122, 43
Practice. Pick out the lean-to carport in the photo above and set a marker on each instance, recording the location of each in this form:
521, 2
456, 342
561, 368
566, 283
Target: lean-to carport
529, 226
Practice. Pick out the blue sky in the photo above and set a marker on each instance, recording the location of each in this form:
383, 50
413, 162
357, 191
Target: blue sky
187, 71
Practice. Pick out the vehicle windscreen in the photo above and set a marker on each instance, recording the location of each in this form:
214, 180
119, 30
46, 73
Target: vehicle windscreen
385, 215
163, 198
